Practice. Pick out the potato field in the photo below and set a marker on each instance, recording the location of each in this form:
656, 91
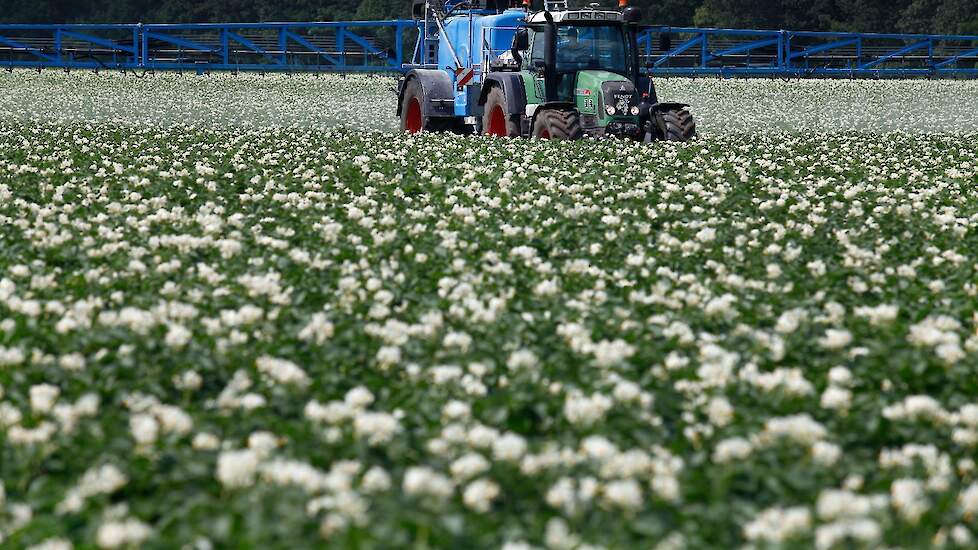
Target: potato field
246, 312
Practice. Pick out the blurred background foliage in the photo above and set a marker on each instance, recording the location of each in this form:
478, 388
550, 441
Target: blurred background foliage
923, 16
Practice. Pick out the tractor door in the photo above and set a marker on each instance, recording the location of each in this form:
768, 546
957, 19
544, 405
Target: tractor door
532, 69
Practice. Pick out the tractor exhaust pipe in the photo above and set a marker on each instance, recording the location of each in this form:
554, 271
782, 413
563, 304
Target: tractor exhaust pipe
550, 58
633, 46
632, 16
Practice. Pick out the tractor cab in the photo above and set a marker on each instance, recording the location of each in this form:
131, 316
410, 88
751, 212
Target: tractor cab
583, 47
592, 69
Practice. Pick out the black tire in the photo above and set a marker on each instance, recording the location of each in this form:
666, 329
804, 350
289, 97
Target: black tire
678, 125
495, 121
553, 124
412, 113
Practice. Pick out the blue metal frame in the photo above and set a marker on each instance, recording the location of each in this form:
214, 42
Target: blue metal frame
289, 47
741, 52
349, 47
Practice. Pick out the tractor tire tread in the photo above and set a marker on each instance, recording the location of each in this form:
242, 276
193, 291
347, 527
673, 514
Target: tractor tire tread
680, 125
560, 124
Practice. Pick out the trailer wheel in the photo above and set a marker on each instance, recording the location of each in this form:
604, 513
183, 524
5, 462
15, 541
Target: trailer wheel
495, 121
412, 116
553, 124
678, 125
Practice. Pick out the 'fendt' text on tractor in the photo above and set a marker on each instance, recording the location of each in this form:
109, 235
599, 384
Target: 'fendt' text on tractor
557, 73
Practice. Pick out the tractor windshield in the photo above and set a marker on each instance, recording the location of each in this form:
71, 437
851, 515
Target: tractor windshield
584, 47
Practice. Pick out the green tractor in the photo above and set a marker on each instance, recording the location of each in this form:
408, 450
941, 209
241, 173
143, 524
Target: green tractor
553, 74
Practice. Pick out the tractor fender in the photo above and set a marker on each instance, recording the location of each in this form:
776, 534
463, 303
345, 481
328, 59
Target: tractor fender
646, 111
436, 87
663, 107
513, 89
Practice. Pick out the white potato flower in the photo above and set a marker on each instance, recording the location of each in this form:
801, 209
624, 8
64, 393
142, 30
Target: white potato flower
732, 450
586, 410
359, 397
376, 480
468, 466
778, 525
421, 480
909, 499
177, 336
376, 427
237, 469
144, 427
968, 500
43, 397
52, 544
119, 534
204, 441
282, 371
625, 494
835, 339
479, 494
509, 447
836, 398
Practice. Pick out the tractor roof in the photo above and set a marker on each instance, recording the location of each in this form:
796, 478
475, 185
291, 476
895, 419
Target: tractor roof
578, 16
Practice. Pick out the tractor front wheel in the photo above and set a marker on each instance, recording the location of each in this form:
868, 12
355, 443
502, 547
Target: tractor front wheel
678, 125
553, 124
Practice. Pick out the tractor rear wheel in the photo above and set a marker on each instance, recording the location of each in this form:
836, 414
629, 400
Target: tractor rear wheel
412, 113
554, 124
495, 121
678, 125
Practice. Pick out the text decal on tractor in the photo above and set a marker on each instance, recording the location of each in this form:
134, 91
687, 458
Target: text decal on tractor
505, 70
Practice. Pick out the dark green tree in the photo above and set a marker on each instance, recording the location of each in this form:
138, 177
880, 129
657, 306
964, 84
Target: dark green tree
676, 13
767, 14
957, 17
383, 9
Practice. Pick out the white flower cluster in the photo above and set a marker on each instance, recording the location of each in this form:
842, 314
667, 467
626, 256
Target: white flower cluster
104, 479
121, 534
375, 427
778, 524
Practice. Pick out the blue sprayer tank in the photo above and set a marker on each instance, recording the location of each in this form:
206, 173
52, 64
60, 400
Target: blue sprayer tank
473, 35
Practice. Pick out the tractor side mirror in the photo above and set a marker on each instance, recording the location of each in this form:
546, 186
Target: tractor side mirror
521, 40
632, 14
417, 9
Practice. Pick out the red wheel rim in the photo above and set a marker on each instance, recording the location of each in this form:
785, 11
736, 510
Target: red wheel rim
497, 122
412, 123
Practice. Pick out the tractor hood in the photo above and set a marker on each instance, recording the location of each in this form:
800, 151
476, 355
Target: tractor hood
597, 91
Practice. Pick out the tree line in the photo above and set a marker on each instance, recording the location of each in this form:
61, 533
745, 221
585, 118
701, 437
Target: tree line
915, 16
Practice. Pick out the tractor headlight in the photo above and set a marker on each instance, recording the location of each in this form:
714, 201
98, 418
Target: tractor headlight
610, 110
634, 109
